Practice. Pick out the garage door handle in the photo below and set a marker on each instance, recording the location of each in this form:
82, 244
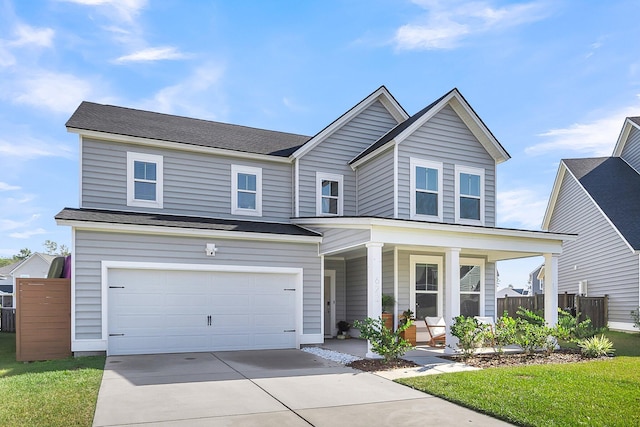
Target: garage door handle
116, 287
208, 320
116, 335
289, 330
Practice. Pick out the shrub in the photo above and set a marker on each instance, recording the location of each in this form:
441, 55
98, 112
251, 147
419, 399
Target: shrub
569, 329
635, 315
385, 342
470, 334
505, 332
596, 346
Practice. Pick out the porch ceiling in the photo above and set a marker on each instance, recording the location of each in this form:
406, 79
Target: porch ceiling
347, 237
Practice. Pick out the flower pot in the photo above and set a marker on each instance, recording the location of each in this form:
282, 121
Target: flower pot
410, 334
388, 320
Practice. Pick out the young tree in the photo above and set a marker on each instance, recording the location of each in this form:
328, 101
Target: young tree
52, 248
23, 254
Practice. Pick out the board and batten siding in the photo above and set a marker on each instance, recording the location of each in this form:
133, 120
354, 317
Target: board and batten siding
631, 152
375, 186
356, 289
445, 138
490, 289
195, 184
92, 247
334, 153
599, 255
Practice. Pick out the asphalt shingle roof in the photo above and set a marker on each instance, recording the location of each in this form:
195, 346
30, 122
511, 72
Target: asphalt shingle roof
163, 220
635, 120
615, 187
165, 127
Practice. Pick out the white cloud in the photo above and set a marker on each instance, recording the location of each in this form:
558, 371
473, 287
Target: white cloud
26, 148
594, 138
57, 92
521, 208
31, 36
123, 9
8, 187
198, 95
448, 22
153, 54
28, 233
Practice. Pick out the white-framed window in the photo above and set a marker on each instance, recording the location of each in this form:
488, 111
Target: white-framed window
425, 278
469, 195
144, 180
471, 287
329, 194
426, 189
246, 190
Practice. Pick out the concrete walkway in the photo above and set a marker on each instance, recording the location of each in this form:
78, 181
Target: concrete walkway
262, 388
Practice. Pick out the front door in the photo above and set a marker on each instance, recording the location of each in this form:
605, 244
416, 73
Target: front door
330, 303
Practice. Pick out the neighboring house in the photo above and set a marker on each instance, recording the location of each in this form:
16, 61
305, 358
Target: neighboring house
599, 199
509, 291
536, 281
36, 265
194, 235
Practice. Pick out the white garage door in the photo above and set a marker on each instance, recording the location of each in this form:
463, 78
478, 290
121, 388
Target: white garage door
153, 311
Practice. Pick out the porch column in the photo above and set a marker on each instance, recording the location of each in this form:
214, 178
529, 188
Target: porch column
551, 289
374, 286
451, 293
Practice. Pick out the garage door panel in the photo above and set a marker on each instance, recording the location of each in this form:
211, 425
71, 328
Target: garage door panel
168, 311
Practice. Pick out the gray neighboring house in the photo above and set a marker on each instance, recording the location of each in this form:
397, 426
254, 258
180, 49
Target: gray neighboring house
36, 265
194, 235
536, 281
599, 199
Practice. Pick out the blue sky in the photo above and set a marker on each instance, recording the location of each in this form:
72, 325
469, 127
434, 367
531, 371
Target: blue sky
551, 79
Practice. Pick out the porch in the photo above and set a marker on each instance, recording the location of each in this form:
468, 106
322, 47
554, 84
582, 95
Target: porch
433, 269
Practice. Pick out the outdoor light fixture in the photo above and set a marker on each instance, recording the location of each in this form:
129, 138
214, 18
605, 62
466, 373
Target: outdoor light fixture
211, 249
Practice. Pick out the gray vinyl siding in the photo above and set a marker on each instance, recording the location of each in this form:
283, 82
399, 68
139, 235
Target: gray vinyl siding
334, 239
490, 289
333, 155
339, 266
356, 289
195, 184
631, 152
93, 247
445, 138
598, 255
375, 186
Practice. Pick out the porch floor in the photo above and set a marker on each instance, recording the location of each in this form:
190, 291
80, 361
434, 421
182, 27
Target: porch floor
427, 357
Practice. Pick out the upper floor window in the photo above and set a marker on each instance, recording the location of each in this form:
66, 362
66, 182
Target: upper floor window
246, 192
426, 189
329, 195
469, 195
144, 180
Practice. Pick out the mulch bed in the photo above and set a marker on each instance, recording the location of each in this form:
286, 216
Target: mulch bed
485, 360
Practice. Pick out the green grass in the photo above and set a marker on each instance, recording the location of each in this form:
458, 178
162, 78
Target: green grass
52, 393
597, 393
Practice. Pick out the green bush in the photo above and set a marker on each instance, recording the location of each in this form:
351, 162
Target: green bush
385, 342
569, 329
596, 346
470, 333
504, 333
635, 315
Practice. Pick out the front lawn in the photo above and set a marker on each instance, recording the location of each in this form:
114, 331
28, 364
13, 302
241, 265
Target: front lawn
597, 393
52, 393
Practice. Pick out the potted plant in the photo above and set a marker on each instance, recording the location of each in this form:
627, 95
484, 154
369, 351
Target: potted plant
387, 310
408, 334
343, 329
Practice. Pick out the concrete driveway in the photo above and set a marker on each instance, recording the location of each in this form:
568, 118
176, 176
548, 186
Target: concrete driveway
262, 388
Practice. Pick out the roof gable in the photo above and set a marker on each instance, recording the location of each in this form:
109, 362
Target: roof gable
130, 122
381, 94
461, 107
629, 123
612, 185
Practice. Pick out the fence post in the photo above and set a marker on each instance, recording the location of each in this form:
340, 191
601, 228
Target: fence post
606, 310
565, 302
